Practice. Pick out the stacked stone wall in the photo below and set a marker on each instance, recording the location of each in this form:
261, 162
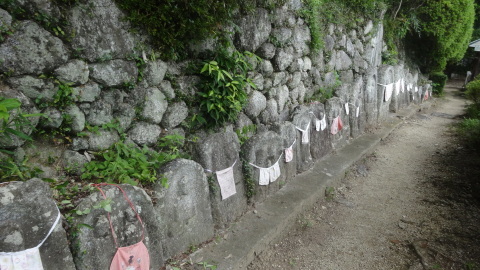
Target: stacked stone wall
96, 61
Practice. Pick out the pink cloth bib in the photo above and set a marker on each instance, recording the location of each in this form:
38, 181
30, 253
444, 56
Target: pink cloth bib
133, 257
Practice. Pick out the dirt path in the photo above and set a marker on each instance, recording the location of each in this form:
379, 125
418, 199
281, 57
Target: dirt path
410, 205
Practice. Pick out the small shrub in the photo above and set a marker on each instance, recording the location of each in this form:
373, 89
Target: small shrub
13, 121
438, 82
127, 164
469, 129
311, 13
222, 89
473, 91
173, 24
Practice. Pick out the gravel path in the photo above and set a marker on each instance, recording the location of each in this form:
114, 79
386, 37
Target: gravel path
413, 204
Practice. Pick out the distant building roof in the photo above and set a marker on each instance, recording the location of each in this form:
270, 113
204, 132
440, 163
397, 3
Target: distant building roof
475, 44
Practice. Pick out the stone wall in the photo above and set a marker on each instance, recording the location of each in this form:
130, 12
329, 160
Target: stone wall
96, 61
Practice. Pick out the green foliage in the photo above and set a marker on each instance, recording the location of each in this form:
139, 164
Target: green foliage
312, 14
245, 132
125, 164
438, 82
131, 165
12, 170
207, 266
12, 124
473, 91
5, 30
248, 177
174, 24
13, 121
469, 129
446, 28
326, 92
222, 89
22, 11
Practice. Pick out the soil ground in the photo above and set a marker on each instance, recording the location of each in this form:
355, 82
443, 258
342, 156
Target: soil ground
413, 204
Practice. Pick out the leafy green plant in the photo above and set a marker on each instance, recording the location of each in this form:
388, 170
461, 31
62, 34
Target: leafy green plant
311, 13
11, 170
222, 90
13, 121
473, 91
174, 24
245, 132
125, 164
469, 129
248, 178
207, 265
329, 193
128, 164
5, 30
62, 98
438, 82
445, 29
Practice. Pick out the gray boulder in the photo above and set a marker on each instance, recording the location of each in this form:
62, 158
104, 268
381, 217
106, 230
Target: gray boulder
154, 72
74, 72
77, 116
32, 87
320, 143
79, 143
217, 152
386, 75
101, 112
5, 19
335, 107
263, 150
73, 162
329, 43
100, 30
301, 40
270, 114
266, 68
302, 118
175, 114
102, 140
279, 78
86, 93
371, 97
144, 133
296, 65
343, 61
187, 85
97, 245
283, 58
266, 51
254, 30
281, 36
154, 105
167, 89
258, 80
295, 80
124, 113
282, 97
31, 50
27, 212
288, 133
183, 209
114, 72
256, 104
53, 118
